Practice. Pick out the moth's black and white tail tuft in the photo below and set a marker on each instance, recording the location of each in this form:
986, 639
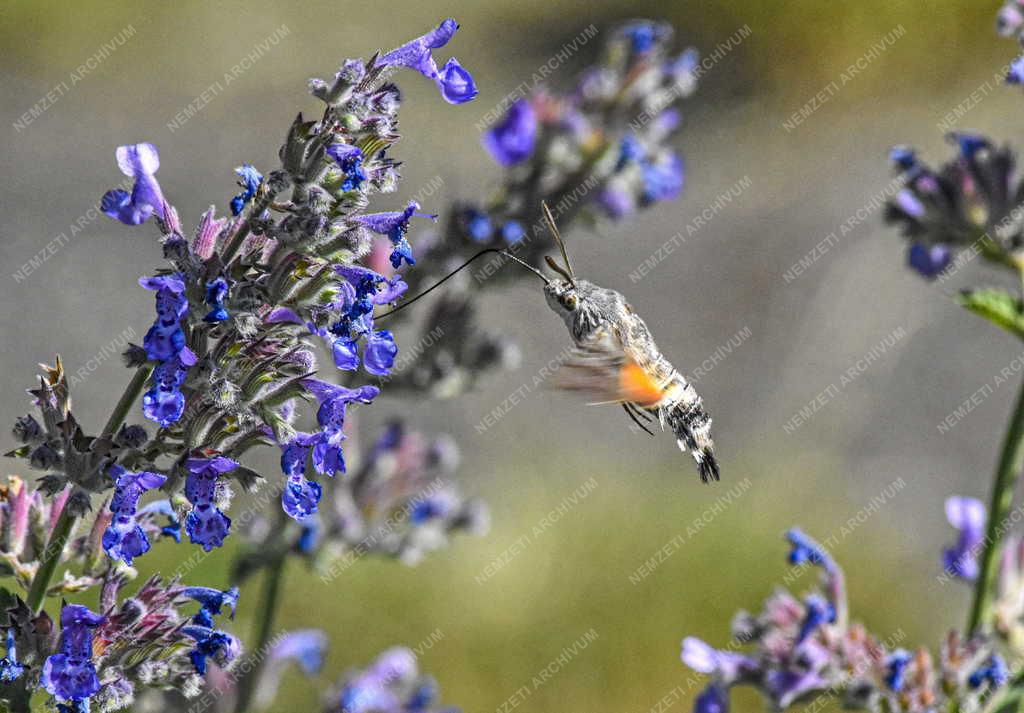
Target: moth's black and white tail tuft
692, 426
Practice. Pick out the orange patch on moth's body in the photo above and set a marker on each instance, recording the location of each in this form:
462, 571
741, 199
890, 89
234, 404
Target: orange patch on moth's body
638, 386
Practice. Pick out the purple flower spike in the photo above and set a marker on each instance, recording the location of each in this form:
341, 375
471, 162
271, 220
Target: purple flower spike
512, 141
71, 674
969, 517
456, 84
206, 525
138, 161
124, 538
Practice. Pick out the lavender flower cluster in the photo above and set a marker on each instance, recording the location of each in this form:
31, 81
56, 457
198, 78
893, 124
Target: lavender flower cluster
244, 303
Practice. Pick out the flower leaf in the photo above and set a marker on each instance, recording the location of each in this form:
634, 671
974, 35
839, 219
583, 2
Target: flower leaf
997, 306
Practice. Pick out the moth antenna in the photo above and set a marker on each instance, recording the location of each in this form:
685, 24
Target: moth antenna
557, 268
454, 272
550, 220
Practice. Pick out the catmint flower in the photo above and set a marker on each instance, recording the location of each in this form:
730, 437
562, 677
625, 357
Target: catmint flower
512, 231
819, 612
968, 203
1015, 72
395, 225
929, 260
138, 161
511, 141
211, 601
805, 549
10, 669
713, 699
71, 674
896, 669
164, 402
163, 507
478, 225
350, 160
334, 400
663, 179
124, 538
644, 35
300, 497
221, 646
216, 292
993, 671
380, 352
968, 516
249, 179
206, 525
456, 84
726, 666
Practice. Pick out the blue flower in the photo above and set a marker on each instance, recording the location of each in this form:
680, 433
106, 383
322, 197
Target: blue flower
138, 161
904, 157
163, 507
164, 402
929, 260
350, 160
726, 666
513, 139
896, 669
221, 646
211, 601
663, 180
968, 516
713, 699
124, 538
249, 179
993, 671
456, 84
345, 354
805, 549
309, 537
512, 231
819, 611
395, 225
478, 225
643, 34
1015, 74
300, 497
379, 355
969, 144
216, 291
10, 669
334, 401
165, 339
206, 525
306, 647
71, 674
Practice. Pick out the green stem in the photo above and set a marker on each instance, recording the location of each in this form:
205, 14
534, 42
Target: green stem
66, 521
264, 629
127, 400
999, 509
51, 557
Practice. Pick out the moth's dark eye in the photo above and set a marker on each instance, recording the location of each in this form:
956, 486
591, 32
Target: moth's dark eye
569, 300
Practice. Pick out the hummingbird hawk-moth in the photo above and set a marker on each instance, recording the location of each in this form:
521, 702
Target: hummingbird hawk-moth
616, 360
614, 357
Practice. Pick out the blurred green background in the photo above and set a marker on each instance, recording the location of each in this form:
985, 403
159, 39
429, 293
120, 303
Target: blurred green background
487, 640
